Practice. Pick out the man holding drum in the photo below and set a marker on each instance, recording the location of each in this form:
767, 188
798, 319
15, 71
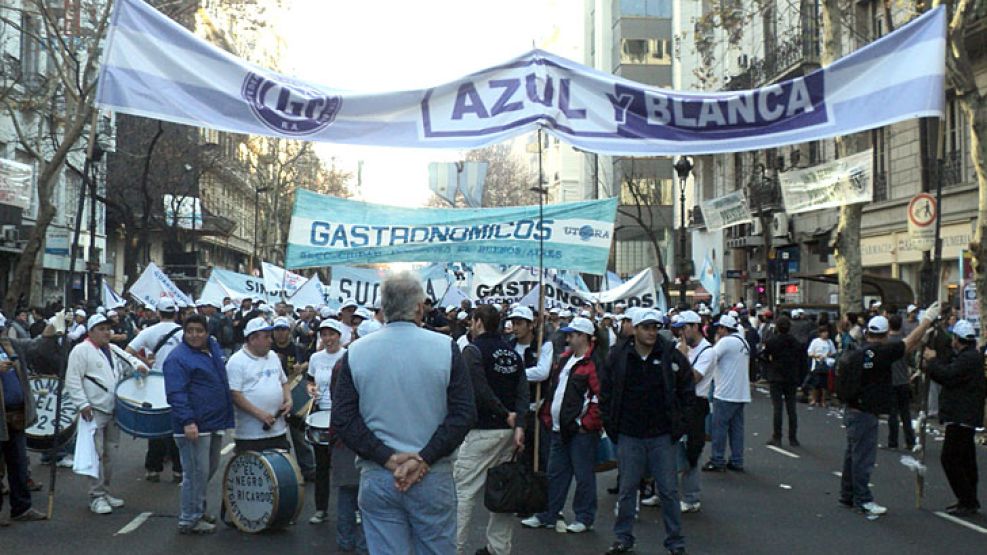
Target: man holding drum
320, 367
156, 343
201, 409
90, 381
260, 392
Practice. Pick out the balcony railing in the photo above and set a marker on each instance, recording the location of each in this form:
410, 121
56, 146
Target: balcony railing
765, 196
880, 186
952, 169
799, 48
696, 217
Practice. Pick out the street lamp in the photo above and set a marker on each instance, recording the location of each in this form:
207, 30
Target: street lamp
257, 192
683, 167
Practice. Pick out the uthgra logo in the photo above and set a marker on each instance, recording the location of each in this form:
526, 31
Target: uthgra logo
587, 232
288, 107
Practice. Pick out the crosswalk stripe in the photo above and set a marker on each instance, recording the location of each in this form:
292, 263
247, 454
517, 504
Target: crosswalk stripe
134, 524
961, 522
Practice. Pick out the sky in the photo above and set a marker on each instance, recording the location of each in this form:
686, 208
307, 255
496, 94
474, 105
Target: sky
386, 45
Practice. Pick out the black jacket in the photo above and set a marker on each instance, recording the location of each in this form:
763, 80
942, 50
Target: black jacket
677, 384
783, 356
961, 400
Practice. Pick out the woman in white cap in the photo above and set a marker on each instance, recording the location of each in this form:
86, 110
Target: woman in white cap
320, 368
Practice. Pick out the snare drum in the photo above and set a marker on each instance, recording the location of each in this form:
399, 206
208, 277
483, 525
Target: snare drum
317, 428
262, 490
41, 435
142, 408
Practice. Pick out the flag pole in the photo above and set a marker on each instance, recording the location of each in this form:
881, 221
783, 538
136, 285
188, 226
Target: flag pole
541, 292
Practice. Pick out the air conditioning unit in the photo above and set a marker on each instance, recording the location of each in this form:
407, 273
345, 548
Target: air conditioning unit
10, 233
756, 229
779, 224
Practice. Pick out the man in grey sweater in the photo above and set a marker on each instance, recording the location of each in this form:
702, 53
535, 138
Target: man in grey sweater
403, 401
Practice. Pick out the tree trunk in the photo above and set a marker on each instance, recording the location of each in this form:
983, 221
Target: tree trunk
849, 270
20, 284
975, 109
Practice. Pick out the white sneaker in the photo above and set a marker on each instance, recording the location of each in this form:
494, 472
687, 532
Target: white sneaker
318, 518
67, 462
652, 501
689, 507
533, 522
560, 526
100, 506
576, 528
872, 508
114, 502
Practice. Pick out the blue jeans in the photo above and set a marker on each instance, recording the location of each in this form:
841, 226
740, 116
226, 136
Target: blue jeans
636, 458
860, 456
200, 459
728, 421
348, 534
14, 452
421, 520
691, 488
565, 460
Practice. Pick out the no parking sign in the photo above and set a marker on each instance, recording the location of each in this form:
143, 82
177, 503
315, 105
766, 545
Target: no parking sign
922, 211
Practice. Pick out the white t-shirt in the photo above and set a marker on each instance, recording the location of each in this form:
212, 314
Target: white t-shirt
704, 364
148, 339
560, 391
824, 348
732, 374
320, 366
261, 380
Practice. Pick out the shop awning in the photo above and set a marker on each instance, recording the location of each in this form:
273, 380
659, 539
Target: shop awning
890, 290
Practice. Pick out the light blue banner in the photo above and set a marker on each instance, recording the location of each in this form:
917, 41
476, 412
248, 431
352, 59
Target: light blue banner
327, 231
154, 67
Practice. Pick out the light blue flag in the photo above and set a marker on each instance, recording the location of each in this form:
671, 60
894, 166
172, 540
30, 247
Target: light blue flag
443, 180
709, 278
471, 182
153, 67
327, 231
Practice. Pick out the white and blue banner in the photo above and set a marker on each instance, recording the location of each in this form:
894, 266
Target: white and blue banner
311, 293
709, 278
279, 281
154, 67
225, 283
111, 299
154, 285
363, 284
327, 231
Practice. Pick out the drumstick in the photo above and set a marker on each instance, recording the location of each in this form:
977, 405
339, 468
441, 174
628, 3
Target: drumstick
276, 416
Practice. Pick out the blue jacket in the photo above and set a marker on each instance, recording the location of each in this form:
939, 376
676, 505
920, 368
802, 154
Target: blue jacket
198, 389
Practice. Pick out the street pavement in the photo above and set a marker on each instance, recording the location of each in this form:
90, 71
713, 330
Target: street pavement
785, 502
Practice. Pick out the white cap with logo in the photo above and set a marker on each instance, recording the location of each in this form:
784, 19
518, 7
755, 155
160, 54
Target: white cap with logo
580, 325
523, 313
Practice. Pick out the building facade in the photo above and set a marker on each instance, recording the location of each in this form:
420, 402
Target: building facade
788, 259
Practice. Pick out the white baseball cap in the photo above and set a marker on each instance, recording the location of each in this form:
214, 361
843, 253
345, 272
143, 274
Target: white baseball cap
326, 312
101, 309
207, 302
565, 314
462, 315
585, 314
230, 308
348, 303
553, 310
330, 324
95, 320
111, 313
607, 315
734, 314
166, 304
368, 327
256, 325
451, 307
877, 325
963, 329
522, 312
580, 325
363, 313
687, 317
645, 317
911, 308
280, 322
80, 313
727, 321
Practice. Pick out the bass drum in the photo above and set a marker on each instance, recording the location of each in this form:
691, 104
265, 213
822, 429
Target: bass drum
41, 435
142, 408
262, 490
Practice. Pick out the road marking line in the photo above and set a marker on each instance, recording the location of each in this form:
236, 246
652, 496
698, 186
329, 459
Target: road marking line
134, 524
227, 448
961, 522
783, 452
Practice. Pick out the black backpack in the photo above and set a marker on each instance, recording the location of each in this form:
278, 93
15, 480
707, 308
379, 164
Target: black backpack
849, 373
